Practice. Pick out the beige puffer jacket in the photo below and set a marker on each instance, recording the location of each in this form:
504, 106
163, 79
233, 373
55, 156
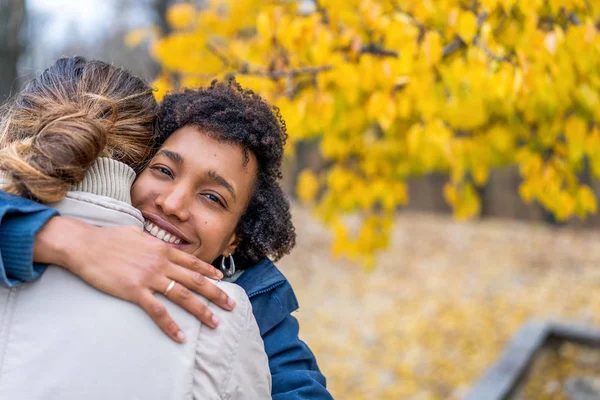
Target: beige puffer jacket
62, 339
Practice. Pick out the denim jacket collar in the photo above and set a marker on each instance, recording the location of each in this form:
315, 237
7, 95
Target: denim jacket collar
271, 295
261, 278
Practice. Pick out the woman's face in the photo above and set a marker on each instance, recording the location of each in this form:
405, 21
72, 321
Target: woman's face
194, 191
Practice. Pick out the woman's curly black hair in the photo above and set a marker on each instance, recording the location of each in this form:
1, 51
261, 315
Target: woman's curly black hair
236, 115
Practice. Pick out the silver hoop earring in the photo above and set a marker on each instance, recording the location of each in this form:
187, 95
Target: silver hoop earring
228, 272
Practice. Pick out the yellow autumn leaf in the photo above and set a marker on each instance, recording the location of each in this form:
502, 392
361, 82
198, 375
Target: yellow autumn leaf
135, 37
181, 15
586, 200
432, 47
265, 25
467, 26
565, 206
480, 173
161, 85
575, 133
307, 186
469, 204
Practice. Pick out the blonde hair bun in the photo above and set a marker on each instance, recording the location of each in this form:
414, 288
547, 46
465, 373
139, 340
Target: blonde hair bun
73, 113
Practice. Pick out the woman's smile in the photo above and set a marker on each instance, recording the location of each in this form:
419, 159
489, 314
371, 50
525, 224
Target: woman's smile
163, 230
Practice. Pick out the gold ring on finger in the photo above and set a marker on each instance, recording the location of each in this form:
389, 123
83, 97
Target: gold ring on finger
171, 285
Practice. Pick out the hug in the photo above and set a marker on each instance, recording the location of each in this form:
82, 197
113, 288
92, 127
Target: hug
120, 218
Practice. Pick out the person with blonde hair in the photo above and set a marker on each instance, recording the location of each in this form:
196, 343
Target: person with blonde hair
74, 138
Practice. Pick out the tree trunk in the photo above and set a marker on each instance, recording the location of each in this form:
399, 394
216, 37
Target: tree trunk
12, 18
160, 10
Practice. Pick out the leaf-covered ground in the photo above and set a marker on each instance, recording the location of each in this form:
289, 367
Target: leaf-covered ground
440, 305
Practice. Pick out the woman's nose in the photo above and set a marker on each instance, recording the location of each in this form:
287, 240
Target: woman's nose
174, 203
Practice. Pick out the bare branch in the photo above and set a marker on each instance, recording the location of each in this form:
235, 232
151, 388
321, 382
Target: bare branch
477, 42
219, 54
323, 11
291, 73
574, 19
456, 44
481, 18
378, 51
289, 87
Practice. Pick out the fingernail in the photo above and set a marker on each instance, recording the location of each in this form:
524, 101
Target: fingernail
180, 336
215, 320
219, 274
230, 302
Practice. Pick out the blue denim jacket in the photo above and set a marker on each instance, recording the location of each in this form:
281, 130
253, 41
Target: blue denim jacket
293, 366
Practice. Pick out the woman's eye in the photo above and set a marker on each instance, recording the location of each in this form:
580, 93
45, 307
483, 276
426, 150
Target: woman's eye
163, 170
213, 198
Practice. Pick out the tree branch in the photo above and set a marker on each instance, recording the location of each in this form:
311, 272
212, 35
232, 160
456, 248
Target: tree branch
574, 19
456, 44
323, 11
489, 52
481, 19
219, 54
372, 48
477, 41
291, 73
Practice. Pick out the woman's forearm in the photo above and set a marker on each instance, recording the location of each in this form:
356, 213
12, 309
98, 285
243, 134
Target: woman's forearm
20, 220
121, 261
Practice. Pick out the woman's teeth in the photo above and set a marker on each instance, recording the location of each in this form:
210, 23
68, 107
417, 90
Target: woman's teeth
161, 233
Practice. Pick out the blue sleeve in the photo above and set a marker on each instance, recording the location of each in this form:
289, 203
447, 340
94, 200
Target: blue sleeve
20, 220
294, 369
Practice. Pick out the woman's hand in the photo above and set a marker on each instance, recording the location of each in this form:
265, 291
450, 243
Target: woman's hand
129, 264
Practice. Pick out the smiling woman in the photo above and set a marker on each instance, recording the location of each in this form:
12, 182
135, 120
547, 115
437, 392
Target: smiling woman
227, 143
195, 190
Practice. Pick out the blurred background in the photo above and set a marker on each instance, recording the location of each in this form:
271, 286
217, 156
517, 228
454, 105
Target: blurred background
442, 160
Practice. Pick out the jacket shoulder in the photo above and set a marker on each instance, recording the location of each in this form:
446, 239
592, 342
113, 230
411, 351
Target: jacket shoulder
236, 341
235, 321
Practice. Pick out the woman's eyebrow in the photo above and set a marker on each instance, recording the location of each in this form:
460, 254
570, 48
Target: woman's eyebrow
176, 157
212, 174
